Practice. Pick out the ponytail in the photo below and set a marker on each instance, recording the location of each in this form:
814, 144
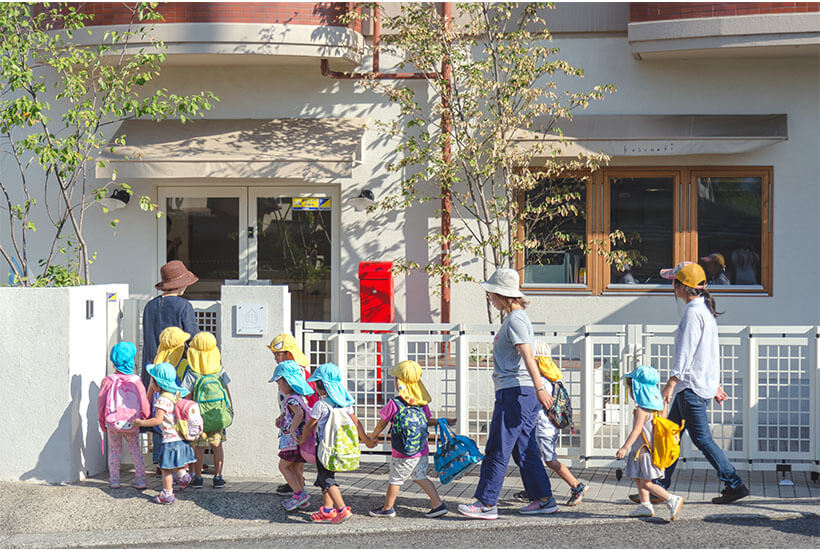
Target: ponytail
703, 293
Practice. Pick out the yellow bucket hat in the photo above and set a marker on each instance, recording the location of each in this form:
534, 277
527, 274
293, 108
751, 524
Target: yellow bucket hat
203, 355
171, 347
410, 386
286, 342
546, 365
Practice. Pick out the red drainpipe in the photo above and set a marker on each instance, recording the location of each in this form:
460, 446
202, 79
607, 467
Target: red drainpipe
446, 128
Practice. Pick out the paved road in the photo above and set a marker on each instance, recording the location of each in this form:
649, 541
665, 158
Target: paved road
734, 532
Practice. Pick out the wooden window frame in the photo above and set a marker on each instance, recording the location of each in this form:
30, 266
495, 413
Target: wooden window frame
684, 225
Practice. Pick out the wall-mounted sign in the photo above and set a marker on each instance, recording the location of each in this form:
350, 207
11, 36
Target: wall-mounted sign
301, 204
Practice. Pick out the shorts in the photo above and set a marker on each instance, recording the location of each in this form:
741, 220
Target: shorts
402, 469
546, 435
325, 478
292, 455
208, 439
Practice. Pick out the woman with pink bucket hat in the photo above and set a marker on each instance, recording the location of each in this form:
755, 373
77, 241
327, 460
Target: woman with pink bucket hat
519, 395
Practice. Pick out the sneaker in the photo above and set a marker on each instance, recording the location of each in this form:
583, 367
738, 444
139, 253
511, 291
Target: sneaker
477, 510
284, 490
298, 500
139, 483
184, 481
113, 483
522, 495
674, 503
437, 512
342, 514
324, 515
219, 483
652, 498
379, 513
577, 494
164, 498
197, 483
548, 506
729, 495
643, 511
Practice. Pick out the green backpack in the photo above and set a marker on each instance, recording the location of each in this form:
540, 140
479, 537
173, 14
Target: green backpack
214, 405
339, 448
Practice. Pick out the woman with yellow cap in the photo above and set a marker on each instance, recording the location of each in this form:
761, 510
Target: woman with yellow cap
410, 416
204, 359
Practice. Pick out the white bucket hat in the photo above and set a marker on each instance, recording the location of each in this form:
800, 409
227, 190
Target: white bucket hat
504, 282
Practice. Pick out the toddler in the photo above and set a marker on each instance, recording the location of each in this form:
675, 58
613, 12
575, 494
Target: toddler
410, 416
643, 388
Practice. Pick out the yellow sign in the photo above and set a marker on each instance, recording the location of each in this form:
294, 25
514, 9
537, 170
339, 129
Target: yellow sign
311, 203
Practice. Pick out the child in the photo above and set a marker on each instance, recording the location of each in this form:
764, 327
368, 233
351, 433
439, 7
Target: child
171, 350
546, 433
334, 395
643, 388
285, 348
203, 359
122, 357
175, 453
288, 375
404, 462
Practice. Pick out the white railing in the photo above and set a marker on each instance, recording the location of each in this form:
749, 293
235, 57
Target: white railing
770, 373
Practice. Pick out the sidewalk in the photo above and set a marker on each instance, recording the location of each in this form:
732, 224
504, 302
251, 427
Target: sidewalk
90, 514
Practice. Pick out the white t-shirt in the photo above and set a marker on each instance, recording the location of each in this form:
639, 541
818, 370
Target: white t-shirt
321, 412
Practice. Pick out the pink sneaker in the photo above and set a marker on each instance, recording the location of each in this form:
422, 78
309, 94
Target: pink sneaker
139, 483
298, 500
184, 481
164, 498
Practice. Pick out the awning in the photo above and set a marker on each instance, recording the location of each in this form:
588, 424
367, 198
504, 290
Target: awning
661, 135
306, 148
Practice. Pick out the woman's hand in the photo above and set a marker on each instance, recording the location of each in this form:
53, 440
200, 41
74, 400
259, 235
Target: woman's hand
544, 398
668, 390
621, 453
721, 396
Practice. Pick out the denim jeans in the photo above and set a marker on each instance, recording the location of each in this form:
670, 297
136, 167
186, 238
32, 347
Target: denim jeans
690, 407
512, 432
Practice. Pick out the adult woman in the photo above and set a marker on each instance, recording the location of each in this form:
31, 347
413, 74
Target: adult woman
695, 374
519, 394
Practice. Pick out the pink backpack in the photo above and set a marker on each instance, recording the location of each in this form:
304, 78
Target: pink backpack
122, 404
308, 450
188, 419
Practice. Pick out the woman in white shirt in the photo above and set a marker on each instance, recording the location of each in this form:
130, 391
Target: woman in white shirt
695, 376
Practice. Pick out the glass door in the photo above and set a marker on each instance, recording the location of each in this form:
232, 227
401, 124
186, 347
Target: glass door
293, 243
206, 229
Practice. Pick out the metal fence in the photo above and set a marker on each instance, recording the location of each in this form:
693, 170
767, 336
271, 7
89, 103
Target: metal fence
770, 373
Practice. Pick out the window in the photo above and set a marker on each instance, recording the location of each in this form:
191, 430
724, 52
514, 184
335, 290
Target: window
651, 218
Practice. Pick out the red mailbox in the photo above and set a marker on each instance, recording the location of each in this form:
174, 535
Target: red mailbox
376, 292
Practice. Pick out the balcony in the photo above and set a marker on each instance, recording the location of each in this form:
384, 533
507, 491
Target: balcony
723, 29
247, 33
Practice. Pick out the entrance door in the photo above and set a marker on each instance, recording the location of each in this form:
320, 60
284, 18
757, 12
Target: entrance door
293, 244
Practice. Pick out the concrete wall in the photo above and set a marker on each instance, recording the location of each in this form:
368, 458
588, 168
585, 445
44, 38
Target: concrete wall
53, 361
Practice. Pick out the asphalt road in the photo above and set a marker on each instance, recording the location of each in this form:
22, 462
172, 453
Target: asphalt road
714, 532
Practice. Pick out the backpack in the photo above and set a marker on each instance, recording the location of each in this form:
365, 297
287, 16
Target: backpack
339, 448
409, 431
214, 404
188, 419
122, 404
455, 454
665, 447
308, 449
560, 413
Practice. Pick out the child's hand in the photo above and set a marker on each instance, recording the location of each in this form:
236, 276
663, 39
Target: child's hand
279, 420
621, 453
136, 422
370, 442
451, 421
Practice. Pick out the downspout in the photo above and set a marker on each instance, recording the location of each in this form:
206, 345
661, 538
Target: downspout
446, 128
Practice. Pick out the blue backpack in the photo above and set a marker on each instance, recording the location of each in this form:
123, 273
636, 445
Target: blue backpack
455, 453
409, 431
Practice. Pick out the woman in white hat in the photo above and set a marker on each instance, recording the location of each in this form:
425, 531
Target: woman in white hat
519, 395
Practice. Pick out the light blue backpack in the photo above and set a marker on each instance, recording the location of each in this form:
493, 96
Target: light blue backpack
455, 454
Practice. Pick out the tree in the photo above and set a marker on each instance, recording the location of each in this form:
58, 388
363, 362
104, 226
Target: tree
504, 90
58, 98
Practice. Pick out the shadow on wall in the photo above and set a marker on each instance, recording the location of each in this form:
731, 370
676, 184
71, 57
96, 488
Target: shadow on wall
51, 465
93, 462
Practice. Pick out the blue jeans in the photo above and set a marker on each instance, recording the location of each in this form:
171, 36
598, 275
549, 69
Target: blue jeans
512, 433
690, 407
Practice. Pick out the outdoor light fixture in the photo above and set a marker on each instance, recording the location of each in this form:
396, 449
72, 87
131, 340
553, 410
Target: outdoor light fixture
118, 199
364, 201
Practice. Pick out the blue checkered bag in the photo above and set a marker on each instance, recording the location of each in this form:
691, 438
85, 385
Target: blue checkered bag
455, 454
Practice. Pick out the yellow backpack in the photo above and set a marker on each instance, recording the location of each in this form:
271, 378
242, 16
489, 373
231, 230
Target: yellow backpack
665, 447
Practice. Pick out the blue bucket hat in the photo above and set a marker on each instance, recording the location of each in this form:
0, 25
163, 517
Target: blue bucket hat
293, 375
645, 381
165, 375
331, 378
122, 357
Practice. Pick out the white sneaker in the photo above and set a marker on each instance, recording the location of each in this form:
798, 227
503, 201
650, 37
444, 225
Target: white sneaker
643, 511
674, 503
477, 510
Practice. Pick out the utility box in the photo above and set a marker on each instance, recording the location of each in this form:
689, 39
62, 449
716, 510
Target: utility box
376, 292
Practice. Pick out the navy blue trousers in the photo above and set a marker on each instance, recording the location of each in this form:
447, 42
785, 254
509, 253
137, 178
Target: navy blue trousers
512, 433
